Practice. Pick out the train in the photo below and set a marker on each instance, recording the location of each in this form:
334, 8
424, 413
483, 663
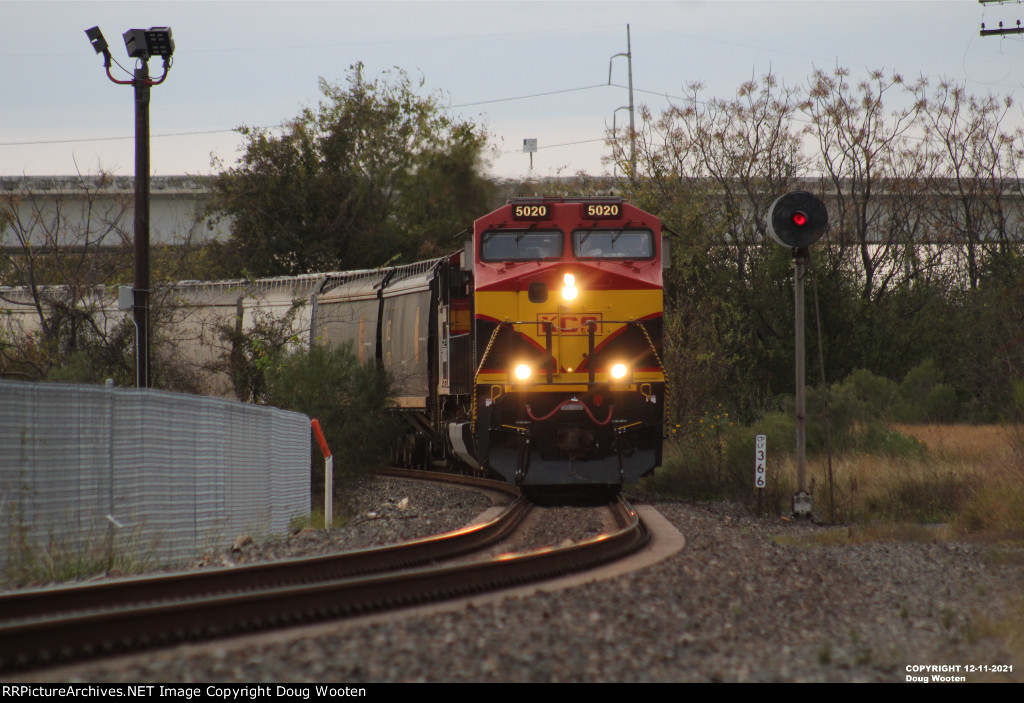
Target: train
535, 353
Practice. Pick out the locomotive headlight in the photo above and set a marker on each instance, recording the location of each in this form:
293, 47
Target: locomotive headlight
619, 371
569, 292
522, 372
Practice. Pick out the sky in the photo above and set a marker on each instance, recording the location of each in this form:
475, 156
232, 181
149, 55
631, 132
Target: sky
259, 63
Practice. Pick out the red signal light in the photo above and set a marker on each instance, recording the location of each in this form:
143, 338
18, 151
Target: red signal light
797, 219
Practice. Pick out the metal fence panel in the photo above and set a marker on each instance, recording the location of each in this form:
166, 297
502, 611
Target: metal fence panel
167, 473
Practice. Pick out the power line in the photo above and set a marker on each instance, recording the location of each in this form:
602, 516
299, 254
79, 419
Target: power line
340, 45
114, 139
533, 95
552, 146
225, 131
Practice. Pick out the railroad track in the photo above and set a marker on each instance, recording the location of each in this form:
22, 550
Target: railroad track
64, 624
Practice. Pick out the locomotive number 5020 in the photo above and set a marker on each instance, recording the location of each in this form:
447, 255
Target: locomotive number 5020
602, 210
530, 211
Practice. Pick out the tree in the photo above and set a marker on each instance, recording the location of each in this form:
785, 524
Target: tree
60, 255
64, 251
978, 157
711, 168
374, 173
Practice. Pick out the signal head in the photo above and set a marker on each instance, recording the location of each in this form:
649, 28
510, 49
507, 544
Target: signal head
797, 220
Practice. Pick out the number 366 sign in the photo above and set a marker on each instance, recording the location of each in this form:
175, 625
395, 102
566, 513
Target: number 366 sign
760, 459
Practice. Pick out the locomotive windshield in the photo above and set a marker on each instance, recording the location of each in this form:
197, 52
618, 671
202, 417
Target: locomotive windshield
613, 243
521, 245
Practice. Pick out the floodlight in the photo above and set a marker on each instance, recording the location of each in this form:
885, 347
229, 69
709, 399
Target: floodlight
160, 41
143, 43
135, 42
98, 42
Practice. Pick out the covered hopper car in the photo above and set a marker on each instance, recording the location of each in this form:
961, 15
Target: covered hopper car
535, 353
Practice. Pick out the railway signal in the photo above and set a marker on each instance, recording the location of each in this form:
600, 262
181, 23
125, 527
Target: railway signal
798, 220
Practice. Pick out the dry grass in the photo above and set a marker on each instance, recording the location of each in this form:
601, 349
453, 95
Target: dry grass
973, 443
971, 478
967, 478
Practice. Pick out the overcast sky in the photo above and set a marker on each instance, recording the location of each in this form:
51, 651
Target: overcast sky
258, 63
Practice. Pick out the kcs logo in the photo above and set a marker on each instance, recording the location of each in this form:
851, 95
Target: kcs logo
568, 324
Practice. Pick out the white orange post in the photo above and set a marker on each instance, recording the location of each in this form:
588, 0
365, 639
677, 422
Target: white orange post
328, 476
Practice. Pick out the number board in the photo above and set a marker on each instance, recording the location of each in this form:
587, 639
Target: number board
760, 460
601, 211
531, 212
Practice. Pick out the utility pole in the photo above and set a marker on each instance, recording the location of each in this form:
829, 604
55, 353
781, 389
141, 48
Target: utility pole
141, 44
1000, 31
632, 125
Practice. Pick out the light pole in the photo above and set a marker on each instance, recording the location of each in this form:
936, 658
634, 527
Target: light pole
141, 44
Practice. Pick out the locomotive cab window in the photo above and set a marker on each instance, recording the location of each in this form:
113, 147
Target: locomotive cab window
521, 245
613, 243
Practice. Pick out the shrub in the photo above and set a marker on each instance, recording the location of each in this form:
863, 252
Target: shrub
923, 397
711, 458
875, 392
348, 398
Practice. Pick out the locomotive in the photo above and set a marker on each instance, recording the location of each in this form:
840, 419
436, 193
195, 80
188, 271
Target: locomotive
535, 353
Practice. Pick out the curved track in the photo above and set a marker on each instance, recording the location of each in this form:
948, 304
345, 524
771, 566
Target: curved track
130, 614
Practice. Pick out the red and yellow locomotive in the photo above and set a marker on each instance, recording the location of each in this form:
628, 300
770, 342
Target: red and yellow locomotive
535, 353
569, 386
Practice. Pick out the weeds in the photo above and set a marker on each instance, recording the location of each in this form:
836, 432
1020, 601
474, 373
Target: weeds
341, 516
948, 618
825, 653
69, 558
861, 651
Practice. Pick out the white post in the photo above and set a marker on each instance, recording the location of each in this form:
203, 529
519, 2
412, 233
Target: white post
328, 475
328, 492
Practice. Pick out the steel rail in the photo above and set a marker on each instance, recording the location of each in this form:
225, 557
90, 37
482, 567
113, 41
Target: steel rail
50, 639
191, 584
499, 485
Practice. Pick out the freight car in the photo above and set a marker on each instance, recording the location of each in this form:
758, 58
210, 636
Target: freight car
535, 353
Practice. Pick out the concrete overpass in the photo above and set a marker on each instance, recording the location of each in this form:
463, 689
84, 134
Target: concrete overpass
97, 211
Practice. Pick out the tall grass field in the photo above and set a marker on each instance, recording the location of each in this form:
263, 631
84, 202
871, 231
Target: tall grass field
966, 480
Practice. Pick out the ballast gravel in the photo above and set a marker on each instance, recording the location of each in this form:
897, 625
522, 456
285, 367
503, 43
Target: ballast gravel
747, 599
377, 511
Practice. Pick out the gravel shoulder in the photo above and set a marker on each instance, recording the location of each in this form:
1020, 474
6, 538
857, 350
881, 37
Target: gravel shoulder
747, 599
